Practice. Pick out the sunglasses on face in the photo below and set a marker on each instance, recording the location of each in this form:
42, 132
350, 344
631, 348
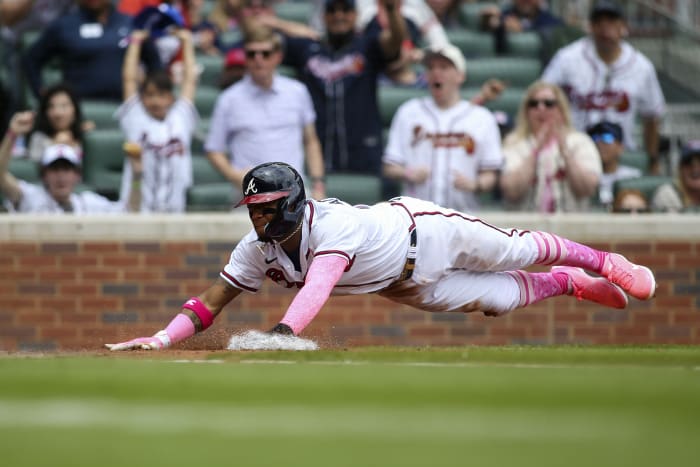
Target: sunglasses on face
251, 54
607, 138
548, 103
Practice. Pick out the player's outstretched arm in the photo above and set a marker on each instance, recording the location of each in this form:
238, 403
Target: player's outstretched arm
197, 314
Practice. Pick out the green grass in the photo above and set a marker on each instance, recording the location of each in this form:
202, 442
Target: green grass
508, 406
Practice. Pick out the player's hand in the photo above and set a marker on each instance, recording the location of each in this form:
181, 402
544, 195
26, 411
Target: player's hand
158, 341
282, 329
22, 122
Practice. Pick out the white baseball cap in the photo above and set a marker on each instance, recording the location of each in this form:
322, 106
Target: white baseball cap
448, 51
60, 151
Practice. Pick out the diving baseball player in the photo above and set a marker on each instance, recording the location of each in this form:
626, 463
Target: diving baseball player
411, 251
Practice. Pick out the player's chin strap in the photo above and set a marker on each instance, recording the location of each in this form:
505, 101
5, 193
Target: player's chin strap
182, 327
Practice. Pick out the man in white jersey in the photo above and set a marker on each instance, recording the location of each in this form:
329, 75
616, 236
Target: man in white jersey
607, 79
60, 171
263, 116
408, 250
443, 148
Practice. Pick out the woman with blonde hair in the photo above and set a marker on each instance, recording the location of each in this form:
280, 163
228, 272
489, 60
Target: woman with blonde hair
549, 166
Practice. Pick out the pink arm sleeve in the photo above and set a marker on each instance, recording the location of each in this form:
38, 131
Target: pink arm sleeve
324, 273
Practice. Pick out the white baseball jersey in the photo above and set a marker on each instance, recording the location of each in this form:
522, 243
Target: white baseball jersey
255, 125
462, 139
458, 266
36, 200
165, 153
597, 91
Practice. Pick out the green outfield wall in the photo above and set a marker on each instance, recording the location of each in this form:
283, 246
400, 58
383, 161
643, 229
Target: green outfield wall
73, 283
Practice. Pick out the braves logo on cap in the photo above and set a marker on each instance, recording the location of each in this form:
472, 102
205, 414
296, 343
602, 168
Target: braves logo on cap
251, 187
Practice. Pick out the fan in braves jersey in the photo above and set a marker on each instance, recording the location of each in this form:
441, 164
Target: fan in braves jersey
159, 128
443, 148
605, 78
408, 250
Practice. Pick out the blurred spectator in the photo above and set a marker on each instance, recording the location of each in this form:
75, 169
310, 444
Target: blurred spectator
519, 16
60, 171
630, 201
341, 74
204, 33
158, 128
225, 16
265, 117
133, 7
443, 148
607, 79
609, 138
683, 195
234, 68
18, 17
159, 21
58, 121
90, 44
447, 12
550, 167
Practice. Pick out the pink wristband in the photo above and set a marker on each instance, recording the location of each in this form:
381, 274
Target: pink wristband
205, 316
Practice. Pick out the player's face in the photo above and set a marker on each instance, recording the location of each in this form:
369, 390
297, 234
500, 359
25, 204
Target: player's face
690, 174
262, 58
543, 109
444, 80
607, 32
339, 18
156, 101
60, 180
262, 214
60, 111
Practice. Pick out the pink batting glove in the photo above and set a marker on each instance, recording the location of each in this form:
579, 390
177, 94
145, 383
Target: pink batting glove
158, 341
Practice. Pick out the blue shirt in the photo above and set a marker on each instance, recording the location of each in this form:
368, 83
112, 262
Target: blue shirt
90, 54
343, 87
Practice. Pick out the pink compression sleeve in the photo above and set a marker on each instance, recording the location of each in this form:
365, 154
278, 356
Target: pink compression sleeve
324, 273
180, 328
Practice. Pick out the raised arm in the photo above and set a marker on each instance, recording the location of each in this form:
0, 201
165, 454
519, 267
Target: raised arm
392, 37
130, 68
20, 124
196, 315
189, 77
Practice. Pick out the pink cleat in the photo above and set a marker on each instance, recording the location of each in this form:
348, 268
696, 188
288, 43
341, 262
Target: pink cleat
594, 289
636, 280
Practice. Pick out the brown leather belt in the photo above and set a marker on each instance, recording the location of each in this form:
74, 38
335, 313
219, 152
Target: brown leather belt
410, 264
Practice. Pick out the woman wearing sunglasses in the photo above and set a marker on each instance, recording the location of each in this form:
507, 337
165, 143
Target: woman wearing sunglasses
549, 166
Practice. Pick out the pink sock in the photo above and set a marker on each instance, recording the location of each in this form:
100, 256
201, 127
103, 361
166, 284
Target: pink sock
536, 286
180, 328
558, 250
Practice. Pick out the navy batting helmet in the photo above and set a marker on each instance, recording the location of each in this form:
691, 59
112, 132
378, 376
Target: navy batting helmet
276, 181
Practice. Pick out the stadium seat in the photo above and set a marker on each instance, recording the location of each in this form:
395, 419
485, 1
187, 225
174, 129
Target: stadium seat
470, 14
524, 45
472, 44
203, 172
212, 65
103, 162
354, 188
24, 169
205, 100
515, 72
210, 197
391, 97
508, 101
101, 112
638, 159
646, 184
301, 12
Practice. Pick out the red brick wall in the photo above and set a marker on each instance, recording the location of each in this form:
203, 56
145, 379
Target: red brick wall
69, 296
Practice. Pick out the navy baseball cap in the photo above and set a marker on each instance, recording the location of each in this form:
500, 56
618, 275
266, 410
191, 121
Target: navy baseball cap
690, 150
157, 19
606, 132
350, 4
606, 8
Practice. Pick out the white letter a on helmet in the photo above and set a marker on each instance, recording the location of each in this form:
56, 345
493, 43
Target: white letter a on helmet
251, 187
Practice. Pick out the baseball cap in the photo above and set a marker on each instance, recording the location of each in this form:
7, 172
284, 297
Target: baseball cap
57, 152
348, 3
157, 19
689, 150
606, 132
606, 7
448, 51
235, 57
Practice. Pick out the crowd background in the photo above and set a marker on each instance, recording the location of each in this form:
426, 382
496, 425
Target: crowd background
505, 43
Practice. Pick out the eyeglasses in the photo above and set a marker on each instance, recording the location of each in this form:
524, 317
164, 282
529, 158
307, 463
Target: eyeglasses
607, 138
548, 103
265, 53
